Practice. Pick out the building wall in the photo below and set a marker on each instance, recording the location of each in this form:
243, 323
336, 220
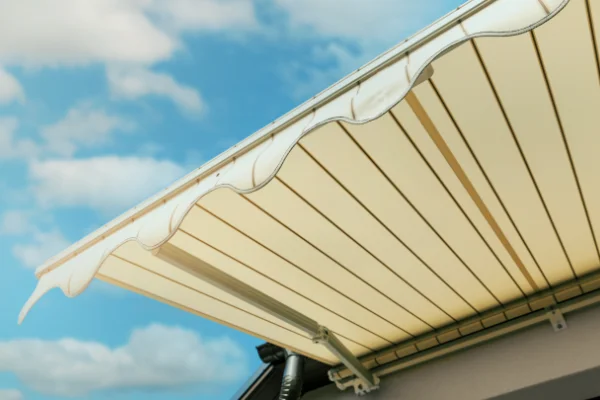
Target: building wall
522, 360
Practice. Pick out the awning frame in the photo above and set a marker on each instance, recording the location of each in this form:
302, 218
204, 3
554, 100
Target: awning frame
546, 306
179, 258
364, 374
540, 316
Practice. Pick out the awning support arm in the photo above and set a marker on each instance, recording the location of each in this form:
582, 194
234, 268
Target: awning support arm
319, 334
337, 348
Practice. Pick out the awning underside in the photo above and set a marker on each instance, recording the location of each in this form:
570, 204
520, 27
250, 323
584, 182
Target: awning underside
478, 189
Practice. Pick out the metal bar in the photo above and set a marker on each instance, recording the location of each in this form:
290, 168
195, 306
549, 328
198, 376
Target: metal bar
575, 304
319, 334
337, 348
200, 269
541, 300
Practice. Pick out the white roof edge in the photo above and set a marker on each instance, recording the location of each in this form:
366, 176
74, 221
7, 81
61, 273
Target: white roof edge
335, 90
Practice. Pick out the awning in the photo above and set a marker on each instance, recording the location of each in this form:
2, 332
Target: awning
453, 176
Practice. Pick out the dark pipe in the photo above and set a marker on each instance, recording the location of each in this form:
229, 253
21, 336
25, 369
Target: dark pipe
291, 384
271, 354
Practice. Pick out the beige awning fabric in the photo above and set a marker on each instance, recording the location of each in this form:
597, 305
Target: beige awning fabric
453, 175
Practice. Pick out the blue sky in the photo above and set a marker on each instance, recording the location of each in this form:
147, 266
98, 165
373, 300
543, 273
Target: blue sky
103, 103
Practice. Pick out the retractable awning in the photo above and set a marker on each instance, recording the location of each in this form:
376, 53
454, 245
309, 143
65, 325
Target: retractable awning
453, 179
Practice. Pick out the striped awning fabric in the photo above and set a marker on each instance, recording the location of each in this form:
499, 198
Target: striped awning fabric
455, 175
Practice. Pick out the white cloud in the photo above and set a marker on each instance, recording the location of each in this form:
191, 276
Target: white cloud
10, 88
125, 33
43, 246
12, 148
306, 81
157, 356
83, 126
132, 83
11, 394
15, 222
364, 20
205, 15
108, 183
73, 32
348, 35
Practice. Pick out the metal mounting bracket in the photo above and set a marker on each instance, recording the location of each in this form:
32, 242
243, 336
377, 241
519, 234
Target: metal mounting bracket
557, 319
365, 381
